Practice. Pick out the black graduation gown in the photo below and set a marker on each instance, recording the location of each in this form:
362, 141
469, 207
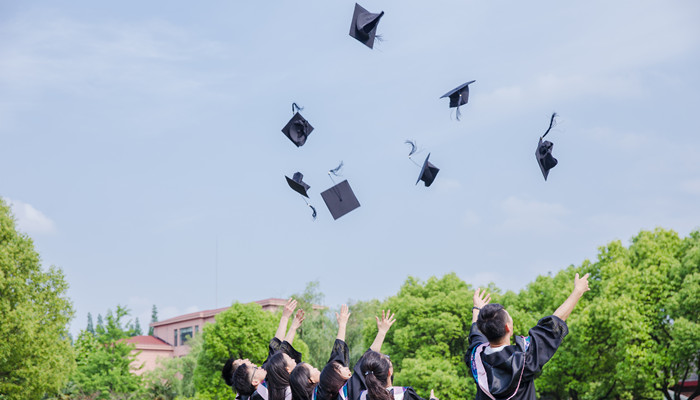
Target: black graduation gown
510, 373
399, 393
341, 354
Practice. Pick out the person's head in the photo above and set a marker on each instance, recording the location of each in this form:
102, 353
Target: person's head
247, 377
495, 322
377, 370
229, 368
303, 380
279, 366
332, 379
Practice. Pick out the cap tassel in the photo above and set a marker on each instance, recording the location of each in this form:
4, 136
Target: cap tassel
551, 124
335, 170
295, 105
458, 114
414, 148
313, 209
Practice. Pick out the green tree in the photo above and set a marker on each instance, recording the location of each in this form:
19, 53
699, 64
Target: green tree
104, 361
90, 327
154, 318
319, 329
429, 339
242, 331
136, 329
35, 351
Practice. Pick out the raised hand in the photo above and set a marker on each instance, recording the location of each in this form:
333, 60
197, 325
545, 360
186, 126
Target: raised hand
481, 298
289, 308
298, 319
432, 395
342, 318
581, 284
385, 323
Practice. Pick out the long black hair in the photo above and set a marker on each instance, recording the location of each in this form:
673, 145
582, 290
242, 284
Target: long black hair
277, 376
300, 382
375, 368
330, 382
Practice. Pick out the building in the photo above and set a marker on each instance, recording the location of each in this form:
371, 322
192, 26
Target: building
170, 336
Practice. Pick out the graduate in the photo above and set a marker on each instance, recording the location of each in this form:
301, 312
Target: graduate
374, 373
309, 383
259, 383
232, 365
505, 371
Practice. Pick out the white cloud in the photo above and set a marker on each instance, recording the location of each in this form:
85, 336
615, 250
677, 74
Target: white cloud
531, 216
29, 219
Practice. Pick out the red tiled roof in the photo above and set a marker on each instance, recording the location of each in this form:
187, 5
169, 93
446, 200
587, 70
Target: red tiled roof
148, 340
210, 313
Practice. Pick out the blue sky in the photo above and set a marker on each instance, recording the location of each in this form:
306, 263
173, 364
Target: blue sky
142, 148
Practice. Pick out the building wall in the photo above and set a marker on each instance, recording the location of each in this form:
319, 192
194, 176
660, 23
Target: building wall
147, 359
177, 333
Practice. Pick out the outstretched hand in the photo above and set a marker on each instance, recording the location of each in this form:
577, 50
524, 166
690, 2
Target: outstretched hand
289, 308
298, 319
387, 320
342, 318
481, 298
581, 284
432, 395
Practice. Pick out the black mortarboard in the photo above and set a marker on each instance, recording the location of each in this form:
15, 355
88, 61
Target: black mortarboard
340, 199
459, 96
298, 128
428, 172
544, 152
364, 25
297, 184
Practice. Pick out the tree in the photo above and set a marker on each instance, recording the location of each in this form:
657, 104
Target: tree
242, 331
90, 328
136, 329
429, 339
100, 322
104, 361
154, 318
36, 357
318, 330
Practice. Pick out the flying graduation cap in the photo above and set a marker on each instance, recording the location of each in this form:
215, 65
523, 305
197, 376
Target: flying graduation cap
364, 25
340, 198
544, 151
459, 96
298, 128
428, 171
298, 185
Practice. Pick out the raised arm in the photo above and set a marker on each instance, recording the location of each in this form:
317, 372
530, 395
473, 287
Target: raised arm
342, 321
480, 299
296, 323
383, 326
286, 313
580, 287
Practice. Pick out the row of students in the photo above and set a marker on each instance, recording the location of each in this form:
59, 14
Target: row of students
284, 377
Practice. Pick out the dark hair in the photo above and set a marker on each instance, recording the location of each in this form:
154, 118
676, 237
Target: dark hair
330, 381
277, 376
375, 368
300, 383
228, 370
492, 321
241, 381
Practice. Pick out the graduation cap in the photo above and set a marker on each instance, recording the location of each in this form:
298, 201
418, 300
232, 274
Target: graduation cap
298, 128
459, 96
544, 152
298, 185
364, 25
428, 171
340, 199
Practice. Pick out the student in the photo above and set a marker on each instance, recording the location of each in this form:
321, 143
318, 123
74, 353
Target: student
308, 382
247, 377
505, 371
373, 377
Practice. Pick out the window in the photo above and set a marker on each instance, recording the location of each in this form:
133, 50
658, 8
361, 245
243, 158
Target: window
185, 333
196, 329
175, 338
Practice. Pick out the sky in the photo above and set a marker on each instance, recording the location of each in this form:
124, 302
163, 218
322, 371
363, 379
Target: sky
142, 148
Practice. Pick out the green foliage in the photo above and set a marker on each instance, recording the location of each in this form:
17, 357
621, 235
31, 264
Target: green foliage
35, 351
154, 318
319, 329
361, 318
104, 360
174, 376
242, 331
429, 339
